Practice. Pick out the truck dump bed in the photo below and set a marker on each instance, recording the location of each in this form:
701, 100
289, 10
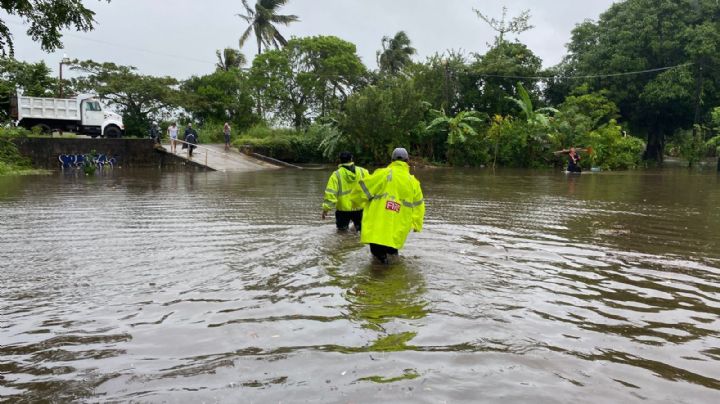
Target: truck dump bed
47, 108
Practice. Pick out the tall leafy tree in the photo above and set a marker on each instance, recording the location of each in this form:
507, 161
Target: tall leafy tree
396, 53
496, 74
229, 59
34, 79
219, 97
139, 98
444, 81
46, 19
643, 35
307, 79
379, 117
263, 20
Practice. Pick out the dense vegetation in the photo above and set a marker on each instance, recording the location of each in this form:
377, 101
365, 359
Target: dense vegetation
642, 82
11, 161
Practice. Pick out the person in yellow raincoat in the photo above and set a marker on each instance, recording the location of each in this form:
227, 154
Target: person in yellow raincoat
337, 193
393, 205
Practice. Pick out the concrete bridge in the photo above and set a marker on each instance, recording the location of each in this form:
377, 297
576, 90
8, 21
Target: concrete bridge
216, 158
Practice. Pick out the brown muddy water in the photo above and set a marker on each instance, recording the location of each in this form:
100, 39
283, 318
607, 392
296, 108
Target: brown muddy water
211, 287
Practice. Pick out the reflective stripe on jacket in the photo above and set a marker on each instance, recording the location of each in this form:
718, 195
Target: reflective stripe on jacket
393, 205
339, 186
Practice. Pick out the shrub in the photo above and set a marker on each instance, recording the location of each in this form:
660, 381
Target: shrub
11, 161
283, 143
713, 146
612, 149
519, 143
211, 132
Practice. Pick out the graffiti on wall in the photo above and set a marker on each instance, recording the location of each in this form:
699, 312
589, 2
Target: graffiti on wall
82, 160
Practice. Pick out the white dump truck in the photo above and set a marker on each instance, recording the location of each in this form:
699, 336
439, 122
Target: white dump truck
83, 115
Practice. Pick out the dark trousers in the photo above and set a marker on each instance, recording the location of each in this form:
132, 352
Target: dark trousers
342, 219
381, 251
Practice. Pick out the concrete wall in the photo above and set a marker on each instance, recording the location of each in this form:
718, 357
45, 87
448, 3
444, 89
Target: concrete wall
129, 152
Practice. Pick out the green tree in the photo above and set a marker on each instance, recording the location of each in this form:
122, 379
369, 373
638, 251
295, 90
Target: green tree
229, 58
307, 79
445, 82
219, 97
581, 114
497, 72
139, 98
378, 118
638, 35
396, 53
47, 18
33, 79
263, 19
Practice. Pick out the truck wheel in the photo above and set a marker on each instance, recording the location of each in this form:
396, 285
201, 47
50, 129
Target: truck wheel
112, 131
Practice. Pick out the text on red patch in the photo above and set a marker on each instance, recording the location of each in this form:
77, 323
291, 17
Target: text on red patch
394, 206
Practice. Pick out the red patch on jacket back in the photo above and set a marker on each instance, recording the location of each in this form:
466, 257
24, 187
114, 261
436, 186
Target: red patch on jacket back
394, 206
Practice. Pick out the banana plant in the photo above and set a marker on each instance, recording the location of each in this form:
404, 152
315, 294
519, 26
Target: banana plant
533, 116
459, 127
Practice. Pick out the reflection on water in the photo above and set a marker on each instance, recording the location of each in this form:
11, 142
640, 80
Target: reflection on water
172, 286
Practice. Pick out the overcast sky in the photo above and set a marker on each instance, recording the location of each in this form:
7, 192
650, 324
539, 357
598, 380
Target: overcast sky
179, 37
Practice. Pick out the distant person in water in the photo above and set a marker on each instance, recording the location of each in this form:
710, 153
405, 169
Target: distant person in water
337, 193
393, 205
573, 161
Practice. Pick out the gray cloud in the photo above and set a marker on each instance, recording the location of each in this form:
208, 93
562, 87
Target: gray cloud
179, 37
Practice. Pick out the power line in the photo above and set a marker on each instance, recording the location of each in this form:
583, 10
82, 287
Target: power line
139, 49
592, 76
82, 38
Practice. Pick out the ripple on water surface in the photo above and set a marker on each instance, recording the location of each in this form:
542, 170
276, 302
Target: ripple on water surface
523, 286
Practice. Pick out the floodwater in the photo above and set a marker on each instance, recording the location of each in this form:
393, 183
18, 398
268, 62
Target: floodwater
211, 287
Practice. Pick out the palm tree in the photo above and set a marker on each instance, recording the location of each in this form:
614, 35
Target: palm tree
229, 58
395, 54
262, 22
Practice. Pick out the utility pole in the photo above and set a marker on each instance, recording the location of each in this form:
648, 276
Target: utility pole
65, 61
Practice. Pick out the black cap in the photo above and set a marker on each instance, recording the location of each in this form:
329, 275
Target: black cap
345, 157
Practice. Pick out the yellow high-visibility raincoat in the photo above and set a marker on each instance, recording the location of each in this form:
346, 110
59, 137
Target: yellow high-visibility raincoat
339, 187
393, 205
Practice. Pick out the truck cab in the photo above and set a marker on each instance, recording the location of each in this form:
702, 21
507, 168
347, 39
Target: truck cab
96, 121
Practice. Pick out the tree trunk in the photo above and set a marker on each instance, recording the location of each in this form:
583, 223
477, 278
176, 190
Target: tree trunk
655, 146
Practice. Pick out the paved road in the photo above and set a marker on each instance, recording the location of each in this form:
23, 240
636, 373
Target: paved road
221, 160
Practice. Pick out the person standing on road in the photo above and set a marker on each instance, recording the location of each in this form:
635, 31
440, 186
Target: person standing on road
192, 140
393, 205
226, 132
172, 134
188, 131
337, 193
155, 132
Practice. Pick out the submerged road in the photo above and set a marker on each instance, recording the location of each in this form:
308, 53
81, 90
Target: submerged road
219, 159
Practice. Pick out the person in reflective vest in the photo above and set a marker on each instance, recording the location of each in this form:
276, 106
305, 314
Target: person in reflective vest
393, 205
337, 193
